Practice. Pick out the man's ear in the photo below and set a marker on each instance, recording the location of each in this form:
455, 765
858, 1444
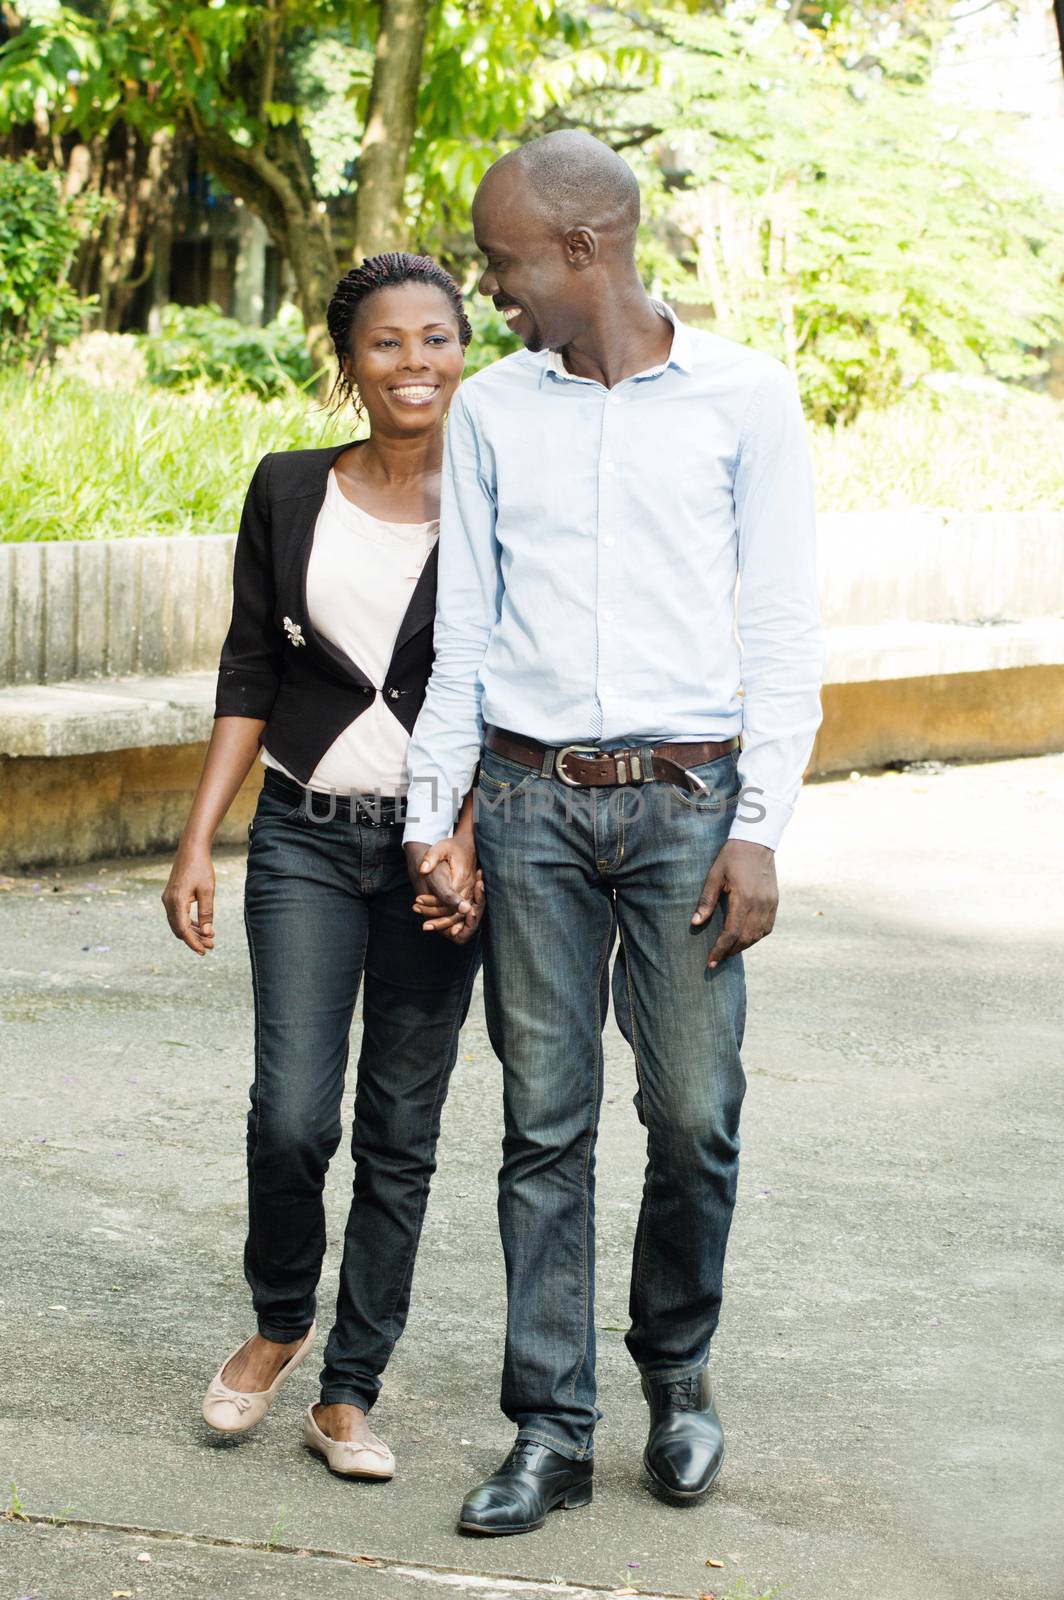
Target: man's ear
581, 248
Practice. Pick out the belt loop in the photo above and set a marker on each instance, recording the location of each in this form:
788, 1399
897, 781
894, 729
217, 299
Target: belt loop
547, 766
646, 761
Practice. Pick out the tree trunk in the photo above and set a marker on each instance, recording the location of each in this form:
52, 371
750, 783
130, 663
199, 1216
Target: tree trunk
278, 188
276, 180
390, 123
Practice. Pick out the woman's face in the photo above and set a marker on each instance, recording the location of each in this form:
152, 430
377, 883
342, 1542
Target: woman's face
406, 360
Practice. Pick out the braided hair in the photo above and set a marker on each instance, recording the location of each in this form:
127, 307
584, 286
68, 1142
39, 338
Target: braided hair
383, 272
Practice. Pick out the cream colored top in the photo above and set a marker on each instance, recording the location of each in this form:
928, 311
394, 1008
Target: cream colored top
360, 579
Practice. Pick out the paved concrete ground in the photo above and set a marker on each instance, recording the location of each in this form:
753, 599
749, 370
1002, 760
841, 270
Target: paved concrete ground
889, 1364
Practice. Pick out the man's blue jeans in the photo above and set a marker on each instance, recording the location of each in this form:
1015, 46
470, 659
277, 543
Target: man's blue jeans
328, 907
565, 871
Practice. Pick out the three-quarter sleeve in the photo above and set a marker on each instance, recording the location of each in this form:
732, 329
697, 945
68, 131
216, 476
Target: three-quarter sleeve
249, 672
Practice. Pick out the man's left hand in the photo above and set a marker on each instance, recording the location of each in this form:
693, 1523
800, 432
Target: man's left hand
746, 873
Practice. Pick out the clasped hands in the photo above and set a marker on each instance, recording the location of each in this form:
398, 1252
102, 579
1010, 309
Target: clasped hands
449, 885
450, 893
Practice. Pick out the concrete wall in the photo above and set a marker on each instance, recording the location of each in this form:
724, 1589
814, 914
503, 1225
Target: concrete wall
945, 641
920, 566
112, 607
121, 802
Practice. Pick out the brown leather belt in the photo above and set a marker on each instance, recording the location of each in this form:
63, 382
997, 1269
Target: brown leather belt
582, 766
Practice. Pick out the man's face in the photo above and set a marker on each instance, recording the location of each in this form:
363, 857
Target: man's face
529, 275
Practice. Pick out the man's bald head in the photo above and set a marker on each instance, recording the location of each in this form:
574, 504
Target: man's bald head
556, 222
573, 180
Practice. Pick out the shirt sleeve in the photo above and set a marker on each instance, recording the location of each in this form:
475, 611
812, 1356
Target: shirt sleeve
445, 744
778, 618
249, 673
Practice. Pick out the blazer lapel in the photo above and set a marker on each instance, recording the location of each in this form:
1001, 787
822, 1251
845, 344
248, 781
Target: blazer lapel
304, 515
422, 608
303, 511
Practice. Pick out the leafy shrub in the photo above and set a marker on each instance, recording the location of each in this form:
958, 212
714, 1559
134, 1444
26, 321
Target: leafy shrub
197, 344
39, 234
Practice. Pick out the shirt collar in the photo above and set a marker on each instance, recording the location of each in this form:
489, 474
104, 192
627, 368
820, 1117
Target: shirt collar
680, 356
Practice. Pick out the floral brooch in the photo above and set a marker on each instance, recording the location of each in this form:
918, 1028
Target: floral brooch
294, 631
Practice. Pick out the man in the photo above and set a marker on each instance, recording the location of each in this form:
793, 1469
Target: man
605, 488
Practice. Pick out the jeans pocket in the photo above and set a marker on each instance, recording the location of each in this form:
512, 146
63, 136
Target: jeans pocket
719, 782
499, 777
271, 808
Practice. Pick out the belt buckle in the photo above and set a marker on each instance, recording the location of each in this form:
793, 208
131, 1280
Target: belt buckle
570, 749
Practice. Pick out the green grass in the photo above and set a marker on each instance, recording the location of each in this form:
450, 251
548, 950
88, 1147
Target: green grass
83, 463
87, 463
15, 1512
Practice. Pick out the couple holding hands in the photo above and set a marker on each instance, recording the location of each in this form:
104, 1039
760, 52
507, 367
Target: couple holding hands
510, 664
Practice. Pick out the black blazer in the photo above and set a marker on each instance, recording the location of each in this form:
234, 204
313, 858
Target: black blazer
274, 664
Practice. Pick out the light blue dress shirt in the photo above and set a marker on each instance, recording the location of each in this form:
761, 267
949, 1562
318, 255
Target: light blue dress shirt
602, 554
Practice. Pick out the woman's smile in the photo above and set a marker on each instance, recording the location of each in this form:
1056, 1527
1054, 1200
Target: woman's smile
415, 394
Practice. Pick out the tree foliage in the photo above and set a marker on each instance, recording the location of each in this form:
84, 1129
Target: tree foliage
817, 199
40, 229
390, 111
806, 189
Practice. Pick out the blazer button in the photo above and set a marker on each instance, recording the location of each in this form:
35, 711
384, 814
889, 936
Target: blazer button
393, 694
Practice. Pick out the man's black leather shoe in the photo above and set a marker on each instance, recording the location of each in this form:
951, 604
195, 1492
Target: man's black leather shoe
685, 1447
531, 1481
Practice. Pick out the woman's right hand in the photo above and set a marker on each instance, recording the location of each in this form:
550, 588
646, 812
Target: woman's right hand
191, 882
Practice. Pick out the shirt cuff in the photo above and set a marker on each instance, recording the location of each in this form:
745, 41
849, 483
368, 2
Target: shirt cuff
760, 818
430, 813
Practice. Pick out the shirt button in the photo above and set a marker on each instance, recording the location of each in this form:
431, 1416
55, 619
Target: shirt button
609, 466
609, 541
607, 616
605, 688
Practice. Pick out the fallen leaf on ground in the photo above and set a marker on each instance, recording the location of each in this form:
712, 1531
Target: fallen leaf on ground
121, 1594
144, 1556
712, 1563
365, 1561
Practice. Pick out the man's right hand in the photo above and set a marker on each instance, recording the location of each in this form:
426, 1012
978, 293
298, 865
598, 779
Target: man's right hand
447, 873
440, 870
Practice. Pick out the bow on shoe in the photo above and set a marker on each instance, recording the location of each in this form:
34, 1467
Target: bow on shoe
242, 1402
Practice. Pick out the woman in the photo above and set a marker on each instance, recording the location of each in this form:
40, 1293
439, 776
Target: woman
325, 666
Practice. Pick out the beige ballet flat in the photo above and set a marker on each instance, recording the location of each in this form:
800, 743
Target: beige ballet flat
229, 1411
364, 1457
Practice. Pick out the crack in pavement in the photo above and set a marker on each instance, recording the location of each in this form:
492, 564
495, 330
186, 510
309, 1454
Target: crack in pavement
457, 1578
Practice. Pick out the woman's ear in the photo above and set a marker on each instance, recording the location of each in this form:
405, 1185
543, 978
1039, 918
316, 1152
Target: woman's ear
347, 367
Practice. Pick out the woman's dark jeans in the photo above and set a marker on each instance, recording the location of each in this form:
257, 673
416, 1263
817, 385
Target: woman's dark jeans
325, 903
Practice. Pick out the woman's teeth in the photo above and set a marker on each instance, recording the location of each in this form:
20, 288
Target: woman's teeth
511, 313
415, 394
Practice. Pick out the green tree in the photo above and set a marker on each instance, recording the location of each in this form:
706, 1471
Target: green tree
812, 193
40, 229
432, 85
